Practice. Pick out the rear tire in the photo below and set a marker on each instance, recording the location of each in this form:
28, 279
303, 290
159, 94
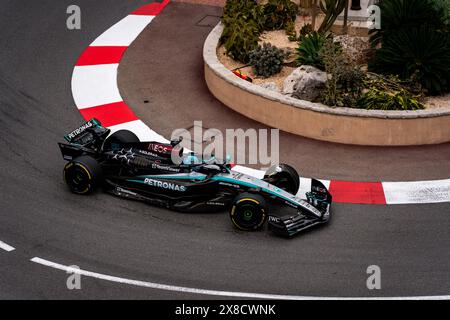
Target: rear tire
286, 179
83, 175
118, 139
249, 212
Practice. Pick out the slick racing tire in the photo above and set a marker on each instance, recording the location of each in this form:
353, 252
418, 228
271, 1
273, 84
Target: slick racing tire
284, 177
83, 175
119, 138
249, 212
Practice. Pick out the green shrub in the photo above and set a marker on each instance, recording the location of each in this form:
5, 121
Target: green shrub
239, 39
381, 100
247, 10
243, 22
443, 6
414, 42
267, 60
397, 15
420, 52
389, 94
345, 84
290, 31
279, 13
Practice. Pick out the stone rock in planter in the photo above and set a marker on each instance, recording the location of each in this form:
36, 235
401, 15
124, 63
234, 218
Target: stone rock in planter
306, 83
311, 89
270, 86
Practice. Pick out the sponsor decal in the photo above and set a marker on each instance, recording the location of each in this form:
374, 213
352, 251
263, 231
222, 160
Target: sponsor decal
274, 219
166, 168
290, 204
79, 130
308, 206
319, 189
229, 185
213, 203
159, 148
147, 153
164, 185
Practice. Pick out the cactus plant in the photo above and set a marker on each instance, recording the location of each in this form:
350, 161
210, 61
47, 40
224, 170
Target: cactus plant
332, 9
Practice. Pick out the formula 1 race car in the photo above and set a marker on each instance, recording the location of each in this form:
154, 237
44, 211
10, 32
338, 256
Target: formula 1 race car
129, 168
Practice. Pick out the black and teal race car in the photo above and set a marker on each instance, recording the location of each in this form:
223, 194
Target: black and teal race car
126, 167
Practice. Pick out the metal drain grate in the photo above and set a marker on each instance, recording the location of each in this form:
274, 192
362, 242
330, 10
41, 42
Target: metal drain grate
208, 21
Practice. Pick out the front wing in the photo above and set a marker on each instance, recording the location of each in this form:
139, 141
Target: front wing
290, 225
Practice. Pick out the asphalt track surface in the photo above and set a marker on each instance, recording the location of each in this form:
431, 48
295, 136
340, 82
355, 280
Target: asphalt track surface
101, 233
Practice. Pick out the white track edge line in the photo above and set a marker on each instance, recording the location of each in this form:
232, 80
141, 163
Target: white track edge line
6, 247
249, 295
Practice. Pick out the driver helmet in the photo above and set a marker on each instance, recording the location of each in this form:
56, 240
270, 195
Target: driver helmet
191, 159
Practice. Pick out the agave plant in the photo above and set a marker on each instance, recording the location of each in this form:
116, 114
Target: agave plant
310, 48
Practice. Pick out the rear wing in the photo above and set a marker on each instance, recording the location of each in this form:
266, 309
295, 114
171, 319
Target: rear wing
86, 139
75, 135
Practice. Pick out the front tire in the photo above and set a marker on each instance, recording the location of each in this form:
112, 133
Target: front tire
284, 177
83, 175
249, 212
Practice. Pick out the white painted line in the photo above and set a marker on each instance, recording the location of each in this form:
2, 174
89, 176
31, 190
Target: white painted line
248, 295
124, 32
95, 85
143, 132
6, 247
417, 192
